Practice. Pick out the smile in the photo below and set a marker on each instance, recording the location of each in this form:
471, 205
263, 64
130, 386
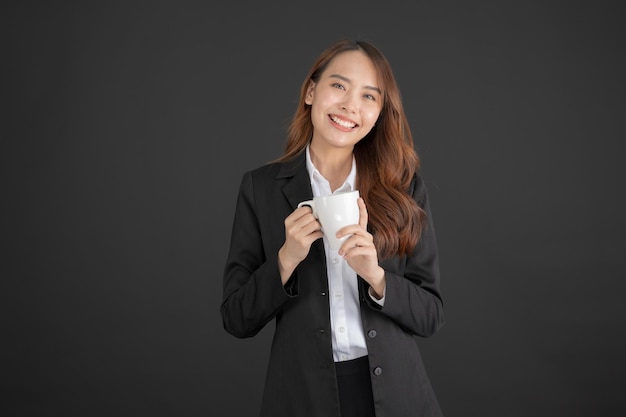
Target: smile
343, 123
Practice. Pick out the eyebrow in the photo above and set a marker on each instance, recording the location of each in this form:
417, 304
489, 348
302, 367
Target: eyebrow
367, 87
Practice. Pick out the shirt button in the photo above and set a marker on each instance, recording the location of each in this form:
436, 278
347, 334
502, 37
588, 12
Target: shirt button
378, 370
338, 294
342, 329
335, 260
372, 334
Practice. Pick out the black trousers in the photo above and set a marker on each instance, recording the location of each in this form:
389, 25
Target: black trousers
355, 388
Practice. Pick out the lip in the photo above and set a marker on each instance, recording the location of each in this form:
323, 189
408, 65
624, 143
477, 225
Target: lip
342, 123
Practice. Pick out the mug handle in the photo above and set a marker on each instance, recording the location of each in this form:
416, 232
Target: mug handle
309, 203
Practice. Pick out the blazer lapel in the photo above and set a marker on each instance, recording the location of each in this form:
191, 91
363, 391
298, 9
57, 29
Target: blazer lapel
298, 188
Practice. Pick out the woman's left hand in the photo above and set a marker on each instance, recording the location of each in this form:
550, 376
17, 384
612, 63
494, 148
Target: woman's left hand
360, 253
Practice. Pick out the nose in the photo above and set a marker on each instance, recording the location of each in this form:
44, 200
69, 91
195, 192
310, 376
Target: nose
349, 103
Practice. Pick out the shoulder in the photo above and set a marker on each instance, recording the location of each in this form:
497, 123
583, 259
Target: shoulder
273, 173
278, 169
417, 188
417, 182
267, 170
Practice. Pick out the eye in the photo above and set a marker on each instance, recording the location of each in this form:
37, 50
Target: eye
337, 85
370, 97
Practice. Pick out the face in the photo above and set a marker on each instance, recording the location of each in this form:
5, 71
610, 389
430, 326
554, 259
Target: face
345, 101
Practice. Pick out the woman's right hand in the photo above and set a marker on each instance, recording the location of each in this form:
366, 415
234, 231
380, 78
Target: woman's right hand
301, 230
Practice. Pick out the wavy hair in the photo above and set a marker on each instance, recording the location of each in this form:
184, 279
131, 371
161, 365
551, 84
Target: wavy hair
385, 157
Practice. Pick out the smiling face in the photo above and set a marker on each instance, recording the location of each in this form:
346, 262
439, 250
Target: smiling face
345, 101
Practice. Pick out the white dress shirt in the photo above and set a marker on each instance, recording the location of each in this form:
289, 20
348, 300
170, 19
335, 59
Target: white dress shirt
348, 338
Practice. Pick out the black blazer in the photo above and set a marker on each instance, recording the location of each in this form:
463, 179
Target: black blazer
301, 378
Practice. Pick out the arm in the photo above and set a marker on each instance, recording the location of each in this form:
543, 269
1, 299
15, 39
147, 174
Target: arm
412, 297
253, 292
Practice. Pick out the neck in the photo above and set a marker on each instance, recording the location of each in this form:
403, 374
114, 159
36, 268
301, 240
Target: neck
334, 164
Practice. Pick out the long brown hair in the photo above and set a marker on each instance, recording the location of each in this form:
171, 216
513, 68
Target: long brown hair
386, 159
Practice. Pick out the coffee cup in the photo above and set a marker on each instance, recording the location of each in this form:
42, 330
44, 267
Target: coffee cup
334, 212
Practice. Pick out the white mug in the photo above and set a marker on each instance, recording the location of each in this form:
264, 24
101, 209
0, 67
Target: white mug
334, 212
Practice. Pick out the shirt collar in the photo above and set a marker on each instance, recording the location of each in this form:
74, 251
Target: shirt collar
349, 183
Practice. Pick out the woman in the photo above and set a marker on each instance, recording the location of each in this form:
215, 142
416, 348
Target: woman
347, 321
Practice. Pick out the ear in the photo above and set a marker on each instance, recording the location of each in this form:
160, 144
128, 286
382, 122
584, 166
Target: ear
308, 99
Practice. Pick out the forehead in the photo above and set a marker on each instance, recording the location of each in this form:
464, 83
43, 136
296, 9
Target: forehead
354, 65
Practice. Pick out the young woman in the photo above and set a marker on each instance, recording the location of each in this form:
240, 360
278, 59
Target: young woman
347, 321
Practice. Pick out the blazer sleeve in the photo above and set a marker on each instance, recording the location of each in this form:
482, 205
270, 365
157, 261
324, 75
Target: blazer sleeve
252, 289
412, 296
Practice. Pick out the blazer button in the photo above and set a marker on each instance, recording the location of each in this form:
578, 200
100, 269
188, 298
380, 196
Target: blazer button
378, 370
372, 333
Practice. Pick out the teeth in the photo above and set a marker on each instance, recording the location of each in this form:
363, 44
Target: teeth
343, 122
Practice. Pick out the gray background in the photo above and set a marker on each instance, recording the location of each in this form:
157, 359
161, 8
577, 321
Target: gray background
126, 130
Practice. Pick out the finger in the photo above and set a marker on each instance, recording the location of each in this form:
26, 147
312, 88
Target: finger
301, 212
311, 227
299, 218
363, 216
355, 230
359, 241
355, 251
355, 241
294, 216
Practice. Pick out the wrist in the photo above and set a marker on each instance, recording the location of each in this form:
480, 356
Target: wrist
377, 284
284, 267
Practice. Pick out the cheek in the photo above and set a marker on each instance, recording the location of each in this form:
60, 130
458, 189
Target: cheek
371, 116
317, 115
